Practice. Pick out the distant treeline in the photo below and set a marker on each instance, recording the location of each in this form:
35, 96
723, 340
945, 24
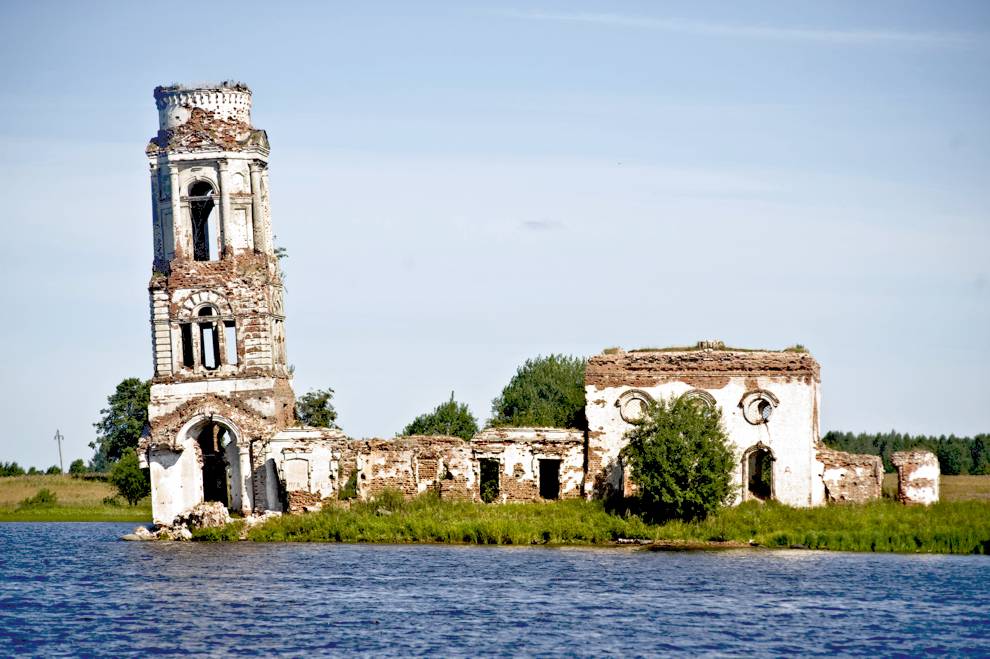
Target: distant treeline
956, 455
14, 469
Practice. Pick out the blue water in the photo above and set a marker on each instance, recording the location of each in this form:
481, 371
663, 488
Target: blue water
74, 589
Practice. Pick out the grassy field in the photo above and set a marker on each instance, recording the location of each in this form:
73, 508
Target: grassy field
78, 500
954, 488
961, 527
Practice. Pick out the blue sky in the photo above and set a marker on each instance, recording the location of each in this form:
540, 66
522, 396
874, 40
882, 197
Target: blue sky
462, 186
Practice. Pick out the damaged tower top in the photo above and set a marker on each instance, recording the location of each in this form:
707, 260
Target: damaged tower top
229, 101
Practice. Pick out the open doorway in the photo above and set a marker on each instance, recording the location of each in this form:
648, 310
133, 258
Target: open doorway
758, 473
489, 470
214, 440
550, 479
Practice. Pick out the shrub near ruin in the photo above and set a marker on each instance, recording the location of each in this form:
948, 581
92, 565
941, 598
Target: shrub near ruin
680, 459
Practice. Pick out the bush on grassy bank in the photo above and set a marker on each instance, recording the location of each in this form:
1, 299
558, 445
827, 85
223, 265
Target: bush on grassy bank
45, 498
681, 460
883, 526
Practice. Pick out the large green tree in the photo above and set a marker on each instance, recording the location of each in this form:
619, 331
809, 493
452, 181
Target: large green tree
680, 459
545, 391
121, 423
315, 409
448, 418
130, 480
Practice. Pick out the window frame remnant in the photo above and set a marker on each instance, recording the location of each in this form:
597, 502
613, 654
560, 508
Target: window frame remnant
632, 404
758, 406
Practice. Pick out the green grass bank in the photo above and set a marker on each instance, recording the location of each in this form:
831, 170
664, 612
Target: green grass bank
883, 526
76, 500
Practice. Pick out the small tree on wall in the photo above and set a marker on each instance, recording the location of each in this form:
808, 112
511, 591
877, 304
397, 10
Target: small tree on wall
680, 459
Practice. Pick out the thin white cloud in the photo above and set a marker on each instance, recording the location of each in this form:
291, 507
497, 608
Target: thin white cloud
706, 29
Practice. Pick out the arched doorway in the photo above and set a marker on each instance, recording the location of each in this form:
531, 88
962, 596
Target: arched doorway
757, 472
217, 448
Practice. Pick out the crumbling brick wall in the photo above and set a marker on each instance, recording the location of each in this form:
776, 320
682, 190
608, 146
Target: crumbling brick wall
519, 452
850, 477
413, 465
918, 475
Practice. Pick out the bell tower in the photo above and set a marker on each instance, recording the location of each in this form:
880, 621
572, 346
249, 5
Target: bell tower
221, 384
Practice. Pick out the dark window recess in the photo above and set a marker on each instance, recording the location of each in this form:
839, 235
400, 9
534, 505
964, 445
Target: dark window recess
760, 468
550, 479
204, 235
489, 468
187, 346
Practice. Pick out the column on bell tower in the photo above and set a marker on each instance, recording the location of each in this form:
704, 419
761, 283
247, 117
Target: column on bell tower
260, 227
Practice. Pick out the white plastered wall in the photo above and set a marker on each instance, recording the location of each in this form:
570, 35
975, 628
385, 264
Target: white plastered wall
791, 433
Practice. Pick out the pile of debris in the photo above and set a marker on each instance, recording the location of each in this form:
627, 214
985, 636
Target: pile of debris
210, 514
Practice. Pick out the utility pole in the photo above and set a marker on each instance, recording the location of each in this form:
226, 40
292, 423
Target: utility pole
59, 438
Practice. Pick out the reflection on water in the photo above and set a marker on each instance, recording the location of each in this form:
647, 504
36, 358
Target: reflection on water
75, 589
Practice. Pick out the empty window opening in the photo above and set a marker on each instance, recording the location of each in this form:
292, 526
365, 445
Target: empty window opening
550, 479
209, 345
230, 341
765, 408
216, 471
187, 346
489, 468
204, 221
759, 474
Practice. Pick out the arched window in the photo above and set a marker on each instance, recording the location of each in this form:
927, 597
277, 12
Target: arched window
204, 221
207, 332
757, 472
632, 404
758, 406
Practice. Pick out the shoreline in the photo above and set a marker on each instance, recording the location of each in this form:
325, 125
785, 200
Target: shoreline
882, 527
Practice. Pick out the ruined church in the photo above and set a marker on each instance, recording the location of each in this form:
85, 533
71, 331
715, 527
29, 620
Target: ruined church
222, 423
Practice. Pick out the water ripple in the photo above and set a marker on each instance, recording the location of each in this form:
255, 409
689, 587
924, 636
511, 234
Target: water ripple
74, 589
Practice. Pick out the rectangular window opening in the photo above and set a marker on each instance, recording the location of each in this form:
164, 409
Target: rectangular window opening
489, 468
550, 479
187, 346
209, 346
230, 341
